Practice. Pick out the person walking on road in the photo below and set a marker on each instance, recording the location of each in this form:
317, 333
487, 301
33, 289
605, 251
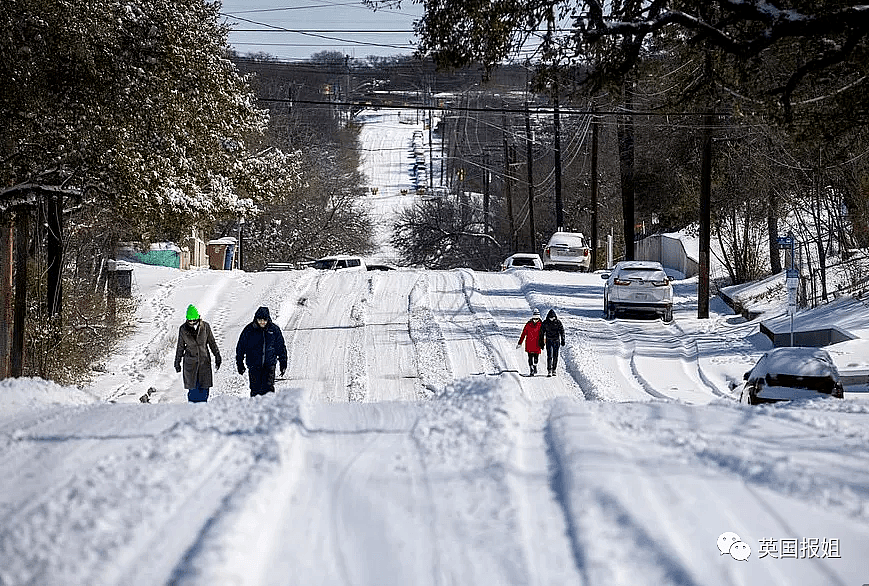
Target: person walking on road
192, 356
260, 347
531, 336
552, 337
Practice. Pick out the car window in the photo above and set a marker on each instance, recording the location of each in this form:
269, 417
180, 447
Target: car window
341, 264
823, 384
523, 262
324, 263
643, 274
353, 262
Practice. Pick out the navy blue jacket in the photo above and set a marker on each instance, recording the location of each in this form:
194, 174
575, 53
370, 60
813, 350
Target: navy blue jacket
261, 347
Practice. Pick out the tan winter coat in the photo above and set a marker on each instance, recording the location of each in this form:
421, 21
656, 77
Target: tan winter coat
193, 345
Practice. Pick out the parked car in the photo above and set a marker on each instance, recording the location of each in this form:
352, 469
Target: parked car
567, 250
638, 285
785, 374
340, 262
522, 260
380, 267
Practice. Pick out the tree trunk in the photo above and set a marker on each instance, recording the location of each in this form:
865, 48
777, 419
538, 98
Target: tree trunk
772, 228
54, 254
19, 312
6, 298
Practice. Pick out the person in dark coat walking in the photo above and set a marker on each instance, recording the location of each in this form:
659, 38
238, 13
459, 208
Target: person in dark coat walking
552, 337
260, 347
531, 335
193, 357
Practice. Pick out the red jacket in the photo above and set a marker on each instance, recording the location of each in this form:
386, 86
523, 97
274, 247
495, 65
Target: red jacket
531, 335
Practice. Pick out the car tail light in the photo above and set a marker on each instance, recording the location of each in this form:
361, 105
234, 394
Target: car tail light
585, 252
621, 282
663, 283
546, 251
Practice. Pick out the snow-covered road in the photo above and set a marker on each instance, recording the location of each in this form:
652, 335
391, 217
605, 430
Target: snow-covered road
406, 444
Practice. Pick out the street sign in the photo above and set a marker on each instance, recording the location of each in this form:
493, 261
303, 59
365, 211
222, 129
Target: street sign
785, 241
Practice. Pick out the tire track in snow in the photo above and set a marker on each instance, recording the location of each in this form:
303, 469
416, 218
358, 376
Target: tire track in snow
428, 341
326, 340
665, 362
357, 357
610, 545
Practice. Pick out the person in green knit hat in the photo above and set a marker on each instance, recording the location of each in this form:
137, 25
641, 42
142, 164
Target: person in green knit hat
192, 356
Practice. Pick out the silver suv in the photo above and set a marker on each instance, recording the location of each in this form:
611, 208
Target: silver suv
638, 285
567, 250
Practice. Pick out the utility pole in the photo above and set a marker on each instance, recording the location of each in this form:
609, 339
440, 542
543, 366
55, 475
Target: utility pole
626, 161
705, 217
508, 182
559, 209
595, 189
486, 195
532, 236
430, 148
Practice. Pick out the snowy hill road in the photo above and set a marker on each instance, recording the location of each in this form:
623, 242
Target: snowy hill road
407, 446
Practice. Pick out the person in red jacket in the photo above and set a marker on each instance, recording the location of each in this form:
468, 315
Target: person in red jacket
531, 336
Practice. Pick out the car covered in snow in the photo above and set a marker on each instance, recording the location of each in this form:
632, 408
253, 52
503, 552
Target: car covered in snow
342, 262
785, 374
638, 286
522, 260
567, 251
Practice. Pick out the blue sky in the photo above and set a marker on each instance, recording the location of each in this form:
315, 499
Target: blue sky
295, 29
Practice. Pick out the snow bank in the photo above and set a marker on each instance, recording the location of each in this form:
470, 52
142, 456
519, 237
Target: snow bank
19, 394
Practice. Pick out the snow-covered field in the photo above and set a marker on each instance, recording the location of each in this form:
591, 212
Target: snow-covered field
406, 445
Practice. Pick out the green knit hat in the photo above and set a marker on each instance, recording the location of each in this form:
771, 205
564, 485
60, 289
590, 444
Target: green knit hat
192, 313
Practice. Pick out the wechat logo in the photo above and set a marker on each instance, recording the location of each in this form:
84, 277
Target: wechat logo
729, 542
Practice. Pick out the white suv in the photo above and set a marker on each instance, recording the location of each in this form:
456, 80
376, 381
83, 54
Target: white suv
522, 260
567, 250
638, 285
342, 262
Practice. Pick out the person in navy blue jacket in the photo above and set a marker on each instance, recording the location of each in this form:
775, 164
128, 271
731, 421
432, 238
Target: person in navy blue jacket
260, 347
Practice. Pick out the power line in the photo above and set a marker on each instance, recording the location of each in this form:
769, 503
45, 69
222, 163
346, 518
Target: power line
497, 110
276, 28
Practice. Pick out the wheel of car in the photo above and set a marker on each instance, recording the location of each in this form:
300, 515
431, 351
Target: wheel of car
668, 314
610, 311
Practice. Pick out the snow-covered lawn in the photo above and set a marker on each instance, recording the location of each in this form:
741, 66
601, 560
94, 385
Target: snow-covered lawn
407, 446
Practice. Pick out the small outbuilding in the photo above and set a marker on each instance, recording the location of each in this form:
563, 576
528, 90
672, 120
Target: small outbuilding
221, 253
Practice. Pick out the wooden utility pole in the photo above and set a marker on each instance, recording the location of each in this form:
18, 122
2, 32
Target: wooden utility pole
626, 159
595, 190
508, 183
529, 155
559, 209
705, 217
486, 195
